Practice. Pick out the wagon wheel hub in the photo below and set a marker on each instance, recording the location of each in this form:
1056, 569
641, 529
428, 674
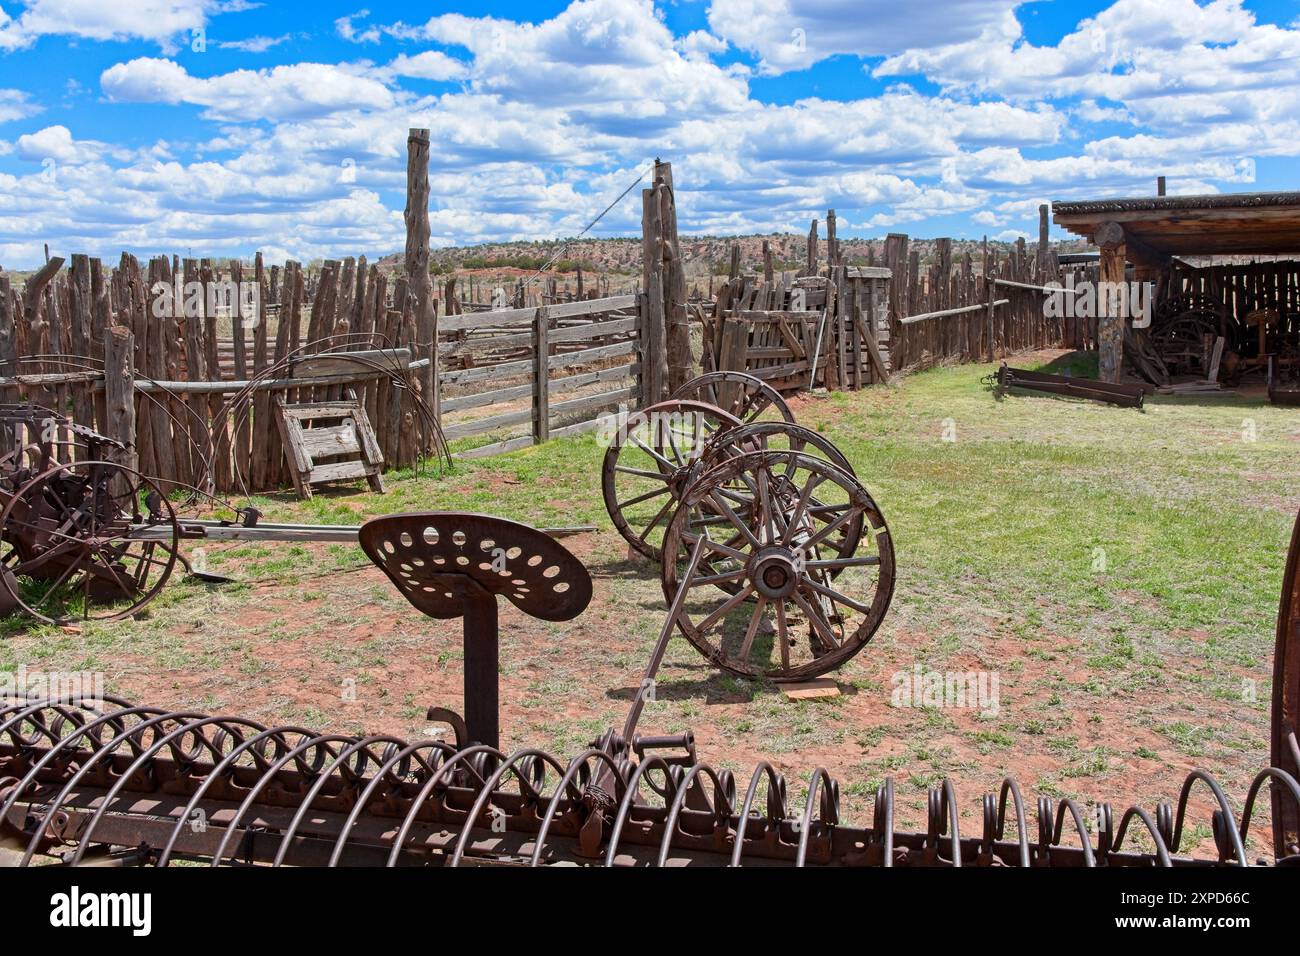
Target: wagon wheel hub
774, 572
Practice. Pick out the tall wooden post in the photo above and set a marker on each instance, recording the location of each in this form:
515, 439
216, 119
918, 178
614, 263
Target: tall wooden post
832, 244
677, 329
1110, 312
119, 389
417, 265
1043, 247
810, 268
654, 344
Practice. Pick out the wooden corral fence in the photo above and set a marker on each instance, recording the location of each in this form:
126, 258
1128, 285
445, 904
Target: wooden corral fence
203, 378
845, 326
525, 375
949, 313
829, 332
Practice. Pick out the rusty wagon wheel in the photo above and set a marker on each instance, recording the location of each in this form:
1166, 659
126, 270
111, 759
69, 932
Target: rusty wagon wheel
652, 457
739, 394
782, 436
82, 542
803, 606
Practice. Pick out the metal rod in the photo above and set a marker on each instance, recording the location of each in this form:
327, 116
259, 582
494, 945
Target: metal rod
665, 635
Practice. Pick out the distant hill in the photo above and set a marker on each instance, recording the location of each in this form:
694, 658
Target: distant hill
703, 255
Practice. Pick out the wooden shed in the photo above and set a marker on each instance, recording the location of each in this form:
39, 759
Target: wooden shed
1158, 235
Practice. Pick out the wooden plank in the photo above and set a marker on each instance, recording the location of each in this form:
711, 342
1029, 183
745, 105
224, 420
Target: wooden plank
569, 383
524, 317
592, 355
819, 688
576, 333
349, 363
576, 405
338, 471
496, 448
485, 372
482, 425
512, 393
324, 441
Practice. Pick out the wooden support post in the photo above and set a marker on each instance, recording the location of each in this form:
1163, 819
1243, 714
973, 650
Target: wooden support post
417, 266
810, 268
1044, 248
1110, 313
119, 389
832, 244
677, 328
541, 377
654, 345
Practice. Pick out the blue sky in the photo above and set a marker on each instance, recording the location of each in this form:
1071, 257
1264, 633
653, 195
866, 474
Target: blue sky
219, 127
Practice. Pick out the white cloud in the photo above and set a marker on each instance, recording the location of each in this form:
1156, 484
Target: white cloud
159, 21
348, 31
428, 65
282, 92
257, 44
795, 34
15, 105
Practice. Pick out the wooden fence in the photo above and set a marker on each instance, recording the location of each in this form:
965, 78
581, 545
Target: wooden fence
829, 331
529, 374
203, 379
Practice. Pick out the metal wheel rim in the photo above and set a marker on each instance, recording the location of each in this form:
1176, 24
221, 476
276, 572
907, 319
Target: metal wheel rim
617, 506
171, 547
753, 396
700, 632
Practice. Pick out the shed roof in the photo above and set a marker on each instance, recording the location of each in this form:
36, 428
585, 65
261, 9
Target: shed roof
1219, 224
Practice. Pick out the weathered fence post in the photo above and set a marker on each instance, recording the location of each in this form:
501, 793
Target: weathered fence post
541, 376
832, 244
417, 266
119, 389
677, 328
654, 346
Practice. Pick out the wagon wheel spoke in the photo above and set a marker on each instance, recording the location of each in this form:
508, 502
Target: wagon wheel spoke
734, 519
801, 506
652, 453
837, 596
645, 497
838, 524
62, 578
783, 635
641, 473
839, 564
654, 522
820, 627
725, 607
751, 631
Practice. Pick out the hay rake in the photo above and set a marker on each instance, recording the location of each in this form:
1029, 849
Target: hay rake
722, 488
109, 783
